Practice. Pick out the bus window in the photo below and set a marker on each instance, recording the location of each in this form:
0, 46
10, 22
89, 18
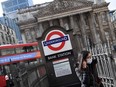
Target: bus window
18, 50
7, 51
29, 48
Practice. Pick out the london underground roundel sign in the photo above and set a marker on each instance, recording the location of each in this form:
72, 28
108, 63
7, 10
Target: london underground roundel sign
55, 42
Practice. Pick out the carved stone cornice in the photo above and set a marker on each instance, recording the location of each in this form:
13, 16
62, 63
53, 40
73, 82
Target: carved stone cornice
28, 26
100, 7
64, 14
114, 24
29, 21
60, 6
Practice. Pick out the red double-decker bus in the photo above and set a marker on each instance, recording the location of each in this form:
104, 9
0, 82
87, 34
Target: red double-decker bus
2, 81
13, 54
18, 52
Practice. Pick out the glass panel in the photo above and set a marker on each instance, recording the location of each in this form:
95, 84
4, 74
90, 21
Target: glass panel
16, 7
8, 4
10, 9
19, 50
23, 5
21, 1
14, 2
7, 51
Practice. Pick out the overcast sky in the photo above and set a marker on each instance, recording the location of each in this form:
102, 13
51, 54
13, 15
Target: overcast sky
112, 5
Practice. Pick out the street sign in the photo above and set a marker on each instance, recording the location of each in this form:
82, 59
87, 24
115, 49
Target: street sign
56, 42
62, 67
57, 50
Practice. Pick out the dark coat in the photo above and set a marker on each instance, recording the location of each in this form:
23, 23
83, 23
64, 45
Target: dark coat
90, 76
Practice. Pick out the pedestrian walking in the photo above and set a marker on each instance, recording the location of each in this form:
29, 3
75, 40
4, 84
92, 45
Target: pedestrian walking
87, 71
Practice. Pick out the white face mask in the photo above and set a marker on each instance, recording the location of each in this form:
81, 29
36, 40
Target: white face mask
89, 61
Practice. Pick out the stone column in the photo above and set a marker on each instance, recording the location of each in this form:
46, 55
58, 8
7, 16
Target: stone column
92, 28
72, 26
79, 43
1, 40
51, 23
41, 30
5, 40
112, 34
40, 26
61, 22
23, 37
83, 30
71, 22
28, 35
101, 28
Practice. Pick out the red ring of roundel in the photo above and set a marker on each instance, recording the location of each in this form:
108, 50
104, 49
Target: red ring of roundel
55, 48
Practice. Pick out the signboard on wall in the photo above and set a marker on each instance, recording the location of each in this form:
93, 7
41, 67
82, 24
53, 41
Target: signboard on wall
56, 45
62, 67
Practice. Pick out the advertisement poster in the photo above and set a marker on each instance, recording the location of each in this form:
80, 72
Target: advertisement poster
62, 67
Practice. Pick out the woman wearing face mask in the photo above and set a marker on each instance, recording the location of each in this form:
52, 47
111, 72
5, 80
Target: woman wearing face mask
88, 70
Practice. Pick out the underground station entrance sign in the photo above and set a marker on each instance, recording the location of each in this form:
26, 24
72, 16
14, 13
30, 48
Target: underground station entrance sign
57, 50
56, 45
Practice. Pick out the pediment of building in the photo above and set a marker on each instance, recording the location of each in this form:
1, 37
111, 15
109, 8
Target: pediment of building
59, 6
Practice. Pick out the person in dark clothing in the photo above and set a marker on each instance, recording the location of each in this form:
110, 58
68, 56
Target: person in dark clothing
88, 70
11, 83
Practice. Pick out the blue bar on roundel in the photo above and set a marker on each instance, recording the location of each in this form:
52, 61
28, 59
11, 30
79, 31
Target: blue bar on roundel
54, 41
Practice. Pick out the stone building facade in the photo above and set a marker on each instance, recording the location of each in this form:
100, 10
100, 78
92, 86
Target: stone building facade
114, 20
7, 35
90, 22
